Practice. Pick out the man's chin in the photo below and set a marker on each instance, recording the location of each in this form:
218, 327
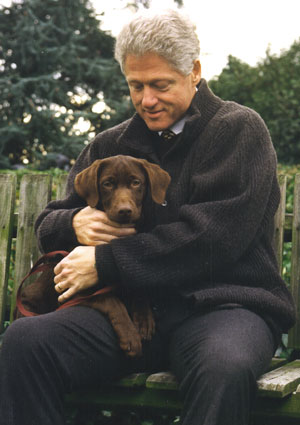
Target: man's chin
157, 126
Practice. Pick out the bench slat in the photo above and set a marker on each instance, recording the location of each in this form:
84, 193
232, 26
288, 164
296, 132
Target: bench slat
167, 381
160, 393
280, 382
127, 398
276, 383
132, 381
276, 362
7, 203
162, 381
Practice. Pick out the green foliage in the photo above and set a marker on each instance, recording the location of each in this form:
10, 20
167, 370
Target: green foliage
272, 88
56, 64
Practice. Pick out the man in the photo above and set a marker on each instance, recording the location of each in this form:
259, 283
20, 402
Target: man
204, 258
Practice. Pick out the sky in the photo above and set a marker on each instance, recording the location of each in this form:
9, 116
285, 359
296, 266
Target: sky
242, 28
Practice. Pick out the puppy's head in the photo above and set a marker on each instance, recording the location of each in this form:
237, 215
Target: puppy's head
119, 184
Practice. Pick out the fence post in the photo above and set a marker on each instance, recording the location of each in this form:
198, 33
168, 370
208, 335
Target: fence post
280, 221
294, 334
35, 193
7, 204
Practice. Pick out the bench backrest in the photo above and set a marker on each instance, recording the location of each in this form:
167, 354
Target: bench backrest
18, 215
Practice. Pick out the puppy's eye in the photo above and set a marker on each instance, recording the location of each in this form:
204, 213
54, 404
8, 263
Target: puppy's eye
135, 182
107, 184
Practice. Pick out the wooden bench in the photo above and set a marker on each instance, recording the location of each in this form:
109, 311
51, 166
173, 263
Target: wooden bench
278, 398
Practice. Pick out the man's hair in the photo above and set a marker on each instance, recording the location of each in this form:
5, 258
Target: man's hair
168, 34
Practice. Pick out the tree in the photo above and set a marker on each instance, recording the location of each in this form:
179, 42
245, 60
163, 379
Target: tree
236, 82
56, 66
272, 88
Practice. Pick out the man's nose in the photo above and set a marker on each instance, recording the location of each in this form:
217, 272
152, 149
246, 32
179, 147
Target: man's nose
149, 99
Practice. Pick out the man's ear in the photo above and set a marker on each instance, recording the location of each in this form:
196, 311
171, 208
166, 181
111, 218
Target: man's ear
86, 183
159, 180
196, 72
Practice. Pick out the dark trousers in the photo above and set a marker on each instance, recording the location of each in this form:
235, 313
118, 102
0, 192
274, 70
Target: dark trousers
217, 357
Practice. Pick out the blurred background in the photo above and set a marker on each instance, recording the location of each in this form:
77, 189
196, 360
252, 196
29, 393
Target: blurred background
60, 86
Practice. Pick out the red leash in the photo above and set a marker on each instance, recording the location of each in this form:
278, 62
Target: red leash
41, 266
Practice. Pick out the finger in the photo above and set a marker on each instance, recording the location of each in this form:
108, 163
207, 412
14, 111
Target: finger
59, 287
104, 239
92, 242
66, 295
58, 278
98, 237
58, 268
110, 230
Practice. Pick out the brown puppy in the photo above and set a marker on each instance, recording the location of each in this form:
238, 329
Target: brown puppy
118, 186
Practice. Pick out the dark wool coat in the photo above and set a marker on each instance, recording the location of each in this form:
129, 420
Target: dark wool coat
212, 241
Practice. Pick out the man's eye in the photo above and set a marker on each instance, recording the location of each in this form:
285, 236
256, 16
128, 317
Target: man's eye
162, 87
136, 87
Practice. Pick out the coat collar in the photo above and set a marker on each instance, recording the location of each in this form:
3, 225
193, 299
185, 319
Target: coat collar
204, 106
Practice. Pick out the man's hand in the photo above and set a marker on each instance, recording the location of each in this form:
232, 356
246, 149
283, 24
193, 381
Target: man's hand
92, 227
75, 272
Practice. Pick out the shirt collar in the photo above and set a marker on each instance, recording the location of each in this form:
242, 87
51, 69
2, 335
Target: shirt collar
177, 127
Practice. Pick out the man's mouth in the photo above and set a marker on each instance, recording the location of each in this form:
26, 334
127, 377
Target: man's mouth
153, 114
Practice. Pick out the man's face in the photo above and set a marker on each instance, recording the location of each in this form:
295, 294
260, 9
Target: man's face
160, 94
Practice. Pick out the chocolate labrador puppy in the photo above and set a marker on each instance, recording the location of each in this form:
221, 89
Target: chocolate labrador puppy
116, 185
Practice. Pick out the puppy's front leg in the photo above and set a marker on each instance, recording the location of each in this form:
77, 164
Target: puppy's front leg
129, 338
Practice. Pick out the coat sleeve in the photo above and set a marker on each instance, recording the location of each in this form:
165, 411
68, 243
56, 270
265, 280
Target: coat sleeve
233, 197
53, 227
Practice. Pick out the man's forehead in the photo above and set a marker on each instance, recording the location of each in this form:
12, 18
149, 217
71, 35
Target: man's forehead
148, 64
153, 80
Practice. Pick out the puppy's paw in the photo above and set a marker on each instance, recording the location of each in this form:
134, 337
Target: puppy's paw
131, 344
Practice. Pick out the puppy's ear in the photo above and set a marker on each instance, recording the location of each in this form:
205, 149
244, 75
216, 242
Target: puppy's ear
159, 180
86, 183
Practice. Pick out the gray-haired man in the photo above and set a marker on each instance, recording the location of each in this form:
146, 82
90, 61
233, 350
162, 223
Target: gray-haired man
204, 258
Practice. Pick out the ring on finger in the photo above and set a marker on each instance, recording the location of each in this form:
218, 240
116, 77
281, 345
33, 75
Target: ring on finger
59, 287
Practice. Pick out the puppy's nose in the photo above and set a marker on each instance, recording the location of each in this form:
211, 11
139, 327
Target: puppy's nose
125, 212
